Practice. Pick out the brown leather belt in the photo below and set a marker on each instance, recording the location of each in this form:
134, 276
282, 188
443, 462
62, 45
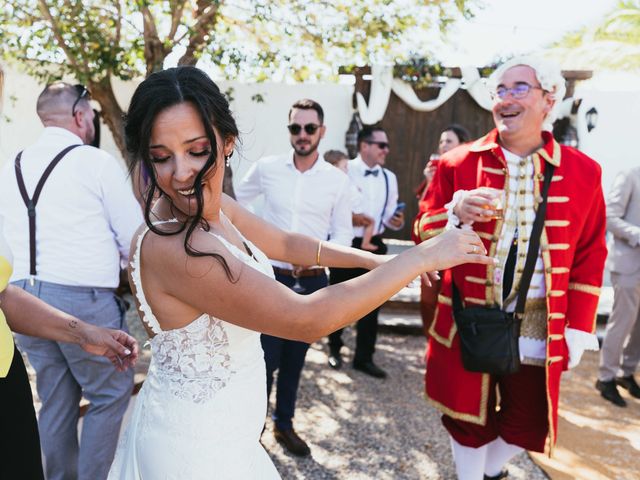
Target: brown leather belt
309, 272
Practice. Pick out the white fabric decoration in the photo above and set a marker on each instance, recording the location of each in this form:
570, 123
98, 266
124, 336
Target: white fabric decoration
382, 76
476, 87
407, 94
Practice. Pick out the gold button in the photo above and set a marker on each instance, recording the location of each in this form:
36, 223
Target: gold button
525, 240
522, 192
540, 176
548, 269
522, 163
523, 176
523, 223
523, 209
495, 238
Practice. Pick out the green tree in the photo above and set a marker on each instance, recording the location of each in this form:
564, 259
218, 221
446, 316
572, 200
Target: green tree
97, 41
613, 43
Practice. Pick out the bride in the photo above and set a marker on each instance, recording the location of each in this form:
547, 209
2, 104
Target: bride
205, 289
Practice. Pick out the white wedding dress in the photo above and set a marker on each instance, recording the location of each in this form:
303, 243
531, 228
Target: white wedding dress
201, 409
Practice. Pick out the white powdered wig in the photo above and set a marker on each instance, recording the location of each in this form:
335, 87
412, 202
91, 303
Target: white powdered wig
548, 74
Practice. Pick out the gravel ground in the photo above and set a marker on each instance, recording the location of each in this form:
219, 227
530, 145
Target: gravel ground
363, 428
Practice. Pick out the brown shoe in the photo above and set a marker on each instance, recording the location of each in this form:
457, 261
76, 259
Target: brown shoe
290, 440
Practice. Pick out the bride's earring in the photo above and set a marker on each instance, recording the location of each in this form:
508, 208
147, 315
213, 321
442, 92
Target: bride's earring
227, 157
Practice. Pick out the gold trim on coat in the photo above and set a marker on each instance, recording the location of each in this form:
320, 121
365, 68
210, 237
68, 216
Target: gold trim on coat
585, 288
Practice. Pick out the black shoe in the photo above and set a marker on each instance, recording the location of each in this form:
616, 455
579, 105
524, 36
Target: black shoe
629, 383
290, 440
500, 476
608, 391
370, 368
335, 359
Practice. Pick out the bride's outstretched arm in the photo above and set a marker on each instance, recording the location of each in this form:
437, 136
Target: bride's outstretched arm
295, 248
252, 300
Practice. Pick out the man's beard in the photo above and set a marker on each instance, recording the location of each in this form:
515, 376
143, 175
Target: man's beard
306, 149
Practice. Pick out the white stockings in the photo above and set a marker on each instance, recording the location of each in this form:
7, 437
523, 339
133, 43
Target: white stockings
473, 463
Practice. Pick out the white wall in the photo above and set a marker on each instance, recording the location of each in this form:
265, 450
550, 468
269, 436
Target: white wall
614, 140
262, 125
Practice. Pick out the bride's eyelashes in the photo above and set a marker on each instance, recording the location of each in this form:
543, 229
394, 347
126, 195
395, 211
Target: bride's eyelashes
203, 153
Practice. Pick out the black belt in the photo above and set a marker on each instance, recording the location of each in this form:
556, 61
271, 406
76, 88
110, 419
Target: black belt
308, 272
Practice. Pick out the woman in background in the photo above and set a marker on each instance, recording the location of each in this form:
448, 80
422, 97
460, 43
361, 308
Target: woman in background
450, 138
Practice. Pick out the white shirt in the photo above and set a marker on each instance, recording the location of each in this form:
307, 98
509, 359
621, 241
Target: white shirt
86, 214
315, 202
374, 193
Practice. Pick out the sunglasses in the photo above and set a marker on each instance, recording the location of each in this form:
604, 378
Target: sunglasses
82, 92
309, 128
381, 145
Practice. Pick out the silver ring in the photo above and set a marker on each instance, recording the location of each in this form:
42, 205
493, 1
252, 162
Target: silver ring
474, 249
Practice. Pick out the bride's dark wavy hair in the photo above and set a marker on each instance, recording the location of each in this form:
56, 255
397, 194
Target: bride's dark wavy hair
158, 92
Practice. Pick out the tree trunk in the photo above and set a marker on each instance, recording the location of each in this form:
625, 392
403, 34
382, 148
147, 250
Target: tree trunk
111, 113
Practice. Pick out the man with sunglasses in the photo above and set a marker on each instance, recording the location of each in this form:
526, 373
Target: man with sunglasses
69, 216
303, 194
491, 418
379, 188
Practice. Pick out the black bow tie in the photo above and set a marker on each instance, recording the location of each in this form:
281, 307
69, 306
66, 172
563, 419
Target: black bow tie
371, 172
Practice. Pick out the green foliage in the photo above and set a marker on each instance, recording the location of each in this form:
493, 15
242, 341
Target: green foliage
613, 44
247, 39
419, 71
94, 41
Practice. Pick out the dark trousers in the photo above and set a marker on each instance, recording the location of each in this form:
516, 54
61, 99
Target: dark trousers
19, 442
367, 326
287, 356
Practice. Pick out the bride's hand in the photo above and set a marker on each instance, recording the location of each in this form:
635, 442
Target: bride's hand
454, 247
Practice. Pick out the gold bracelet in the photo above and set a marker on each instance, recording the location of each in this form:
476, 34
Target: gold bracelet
318, 252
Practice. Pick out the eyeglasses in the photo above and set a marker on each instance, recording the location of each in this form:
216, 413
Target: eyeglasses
309, 128
82, 92
381, 145
519, 91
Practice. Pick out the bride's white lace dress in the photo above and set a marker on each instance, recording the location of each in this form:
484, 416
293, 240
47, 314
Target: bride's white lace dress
201, 410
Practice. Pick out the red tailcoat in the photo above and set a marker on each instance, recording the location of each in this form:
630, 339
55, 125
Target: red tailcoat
573, 251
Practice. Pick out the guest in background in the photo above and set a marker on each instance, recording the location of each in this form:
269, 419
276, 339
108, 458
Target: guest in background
303, 194
450, 138
380, 200
340, 160
71, 258
621, 345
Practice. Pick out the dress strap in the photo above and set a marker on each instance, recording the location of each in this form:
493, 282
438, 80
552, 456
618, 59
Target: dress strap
147, 315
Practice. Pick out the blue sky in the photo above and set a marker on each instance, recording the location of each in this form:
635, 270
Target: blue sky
505, 27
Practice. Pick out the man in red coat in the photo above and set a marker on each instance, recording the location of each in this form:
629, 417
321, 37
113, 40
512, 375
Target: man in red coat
494, 186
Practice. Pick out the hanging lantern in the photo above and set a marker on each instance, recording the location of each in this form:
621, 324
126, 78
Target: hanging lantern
351, 137
592, 118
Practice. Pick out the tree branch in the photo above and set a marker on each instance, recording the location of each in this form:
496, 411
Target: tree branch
154, 51
177, 7
44, 8
206, 15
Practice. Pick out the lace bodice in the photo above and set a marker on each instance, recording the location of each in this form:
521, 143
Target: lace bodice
198, 360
